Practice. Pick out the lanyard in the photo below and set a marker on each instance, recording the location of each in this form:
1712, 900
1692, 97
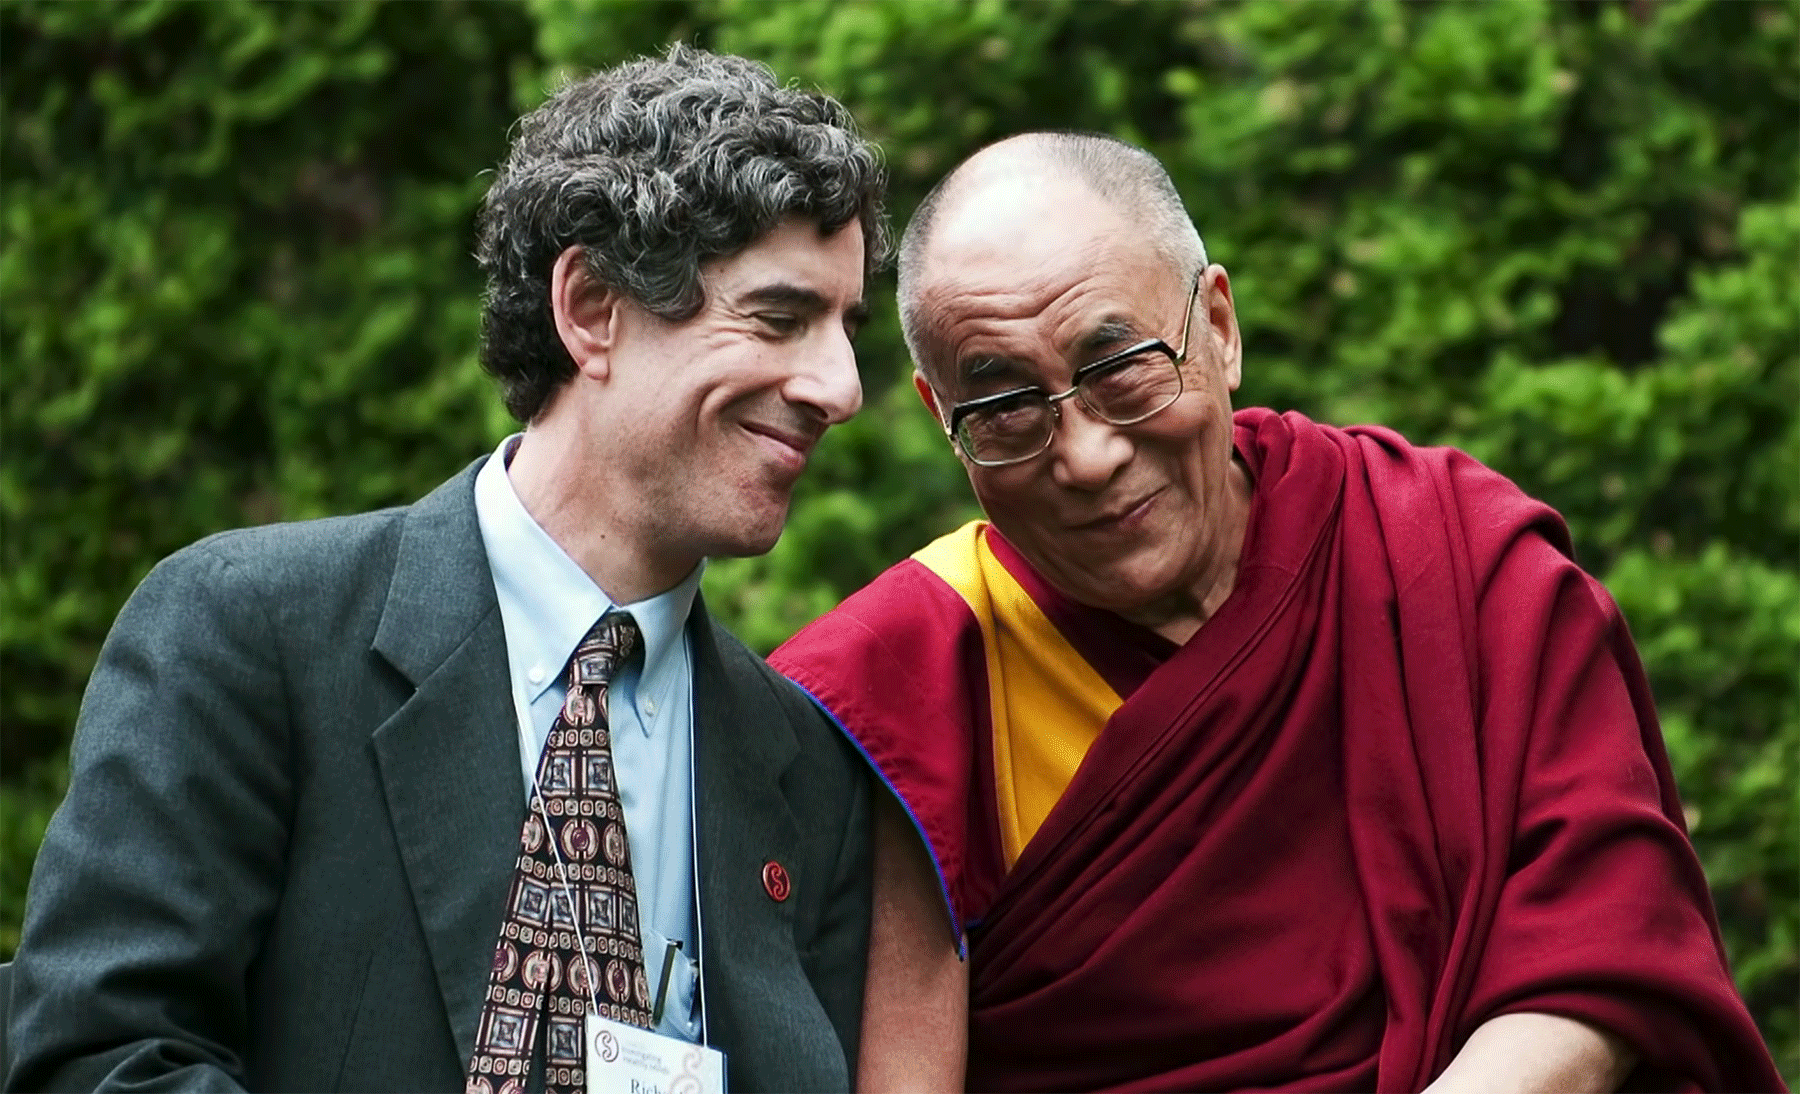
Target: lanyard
694, 849
568, 894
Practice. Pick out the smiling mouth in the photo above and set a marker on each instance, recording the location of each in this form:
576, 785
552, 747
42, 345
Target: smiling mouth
1117, 516
796, 445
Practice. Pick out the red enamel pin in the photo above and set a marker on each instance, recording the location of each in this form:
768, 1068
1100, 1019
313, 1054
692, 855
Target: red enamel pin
775, 881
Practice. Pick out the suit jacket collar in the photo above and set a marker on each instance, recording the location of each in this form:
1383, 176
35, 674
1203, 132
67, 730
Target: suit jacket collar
741, 734
449, 756
744, 747
442, 589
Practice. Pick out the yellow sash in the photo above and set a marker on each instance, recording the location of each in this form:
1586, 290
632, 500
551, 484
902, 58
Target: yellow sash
1047, 703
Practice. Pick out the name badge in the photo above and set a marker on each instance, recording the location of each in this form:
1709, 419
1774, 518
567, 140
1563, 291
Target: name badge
623, 1059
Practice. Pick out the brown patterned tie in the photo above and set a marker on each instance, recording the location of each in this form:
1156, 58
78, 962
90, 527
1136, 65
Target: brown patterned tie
538, 966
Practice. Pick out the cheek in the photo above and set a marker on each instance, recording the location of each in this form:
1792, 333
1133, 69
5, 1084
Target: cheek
1004, 496
1198, 436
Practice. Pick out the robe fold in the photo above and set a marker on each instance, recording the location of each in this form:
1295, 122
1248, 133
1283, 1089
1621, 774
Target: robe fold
1407, 778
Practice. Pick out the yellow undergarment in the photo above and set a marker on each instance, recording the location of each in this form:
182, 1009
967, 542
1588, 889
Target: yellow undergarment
1047, 703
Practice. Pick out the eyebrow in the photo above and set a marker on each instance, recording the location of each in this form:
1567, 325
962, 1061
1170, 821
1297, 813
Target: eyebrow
803, 300
988, 366
1110, 333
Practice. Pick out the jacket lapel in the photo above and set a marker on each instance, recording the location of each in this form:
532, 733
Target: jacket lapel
744, 744
449, 757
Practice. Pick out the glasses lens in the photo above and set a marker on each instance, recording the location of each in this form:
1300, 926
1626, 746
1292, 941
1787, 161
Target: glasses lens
1132, 389
1010, 429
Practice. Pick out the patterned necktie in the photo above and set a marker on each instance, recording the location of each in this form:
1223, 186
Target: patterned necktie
538, 966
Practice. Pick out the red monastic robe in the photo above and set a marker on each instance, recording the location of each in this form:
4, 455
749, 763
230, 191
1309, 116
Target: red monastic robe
1407, 778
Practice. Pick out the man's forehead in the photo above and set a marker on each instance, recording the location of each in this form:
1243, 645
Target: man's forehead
1085, 305
1022, 257
1027, 216
1012, 241
796, 252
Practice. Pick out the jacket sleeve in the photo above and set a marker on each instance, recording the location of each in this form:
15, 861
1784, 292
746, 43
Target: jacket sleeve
159, 874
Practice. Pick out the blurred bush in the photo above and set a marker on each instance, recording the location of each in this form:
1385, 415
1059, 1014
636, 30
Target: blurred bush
236, 287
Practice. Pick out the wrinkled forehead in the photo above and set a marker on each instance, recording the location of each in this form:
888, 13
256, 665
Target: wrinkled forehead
1033, 267
1035, 322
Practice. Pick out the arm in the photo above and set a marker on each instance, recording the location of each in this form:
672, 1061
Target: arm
1603, 915
916, 1003
1532, 1053
159, 873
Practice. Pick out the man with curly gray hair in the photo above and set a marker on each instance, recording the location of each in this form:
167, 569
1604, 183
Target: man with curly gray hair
402, 800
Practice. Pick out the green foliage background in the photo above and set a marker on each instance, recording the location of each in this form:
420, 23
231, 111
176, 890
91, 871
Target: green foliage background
235, 287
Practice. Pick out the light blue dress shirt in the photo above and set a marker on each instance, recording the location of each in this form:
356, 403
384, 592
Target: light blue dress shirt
547, 604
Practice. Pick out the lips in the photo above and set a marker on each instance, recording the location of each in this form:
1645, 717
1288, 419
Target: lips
790, 445
1113, 518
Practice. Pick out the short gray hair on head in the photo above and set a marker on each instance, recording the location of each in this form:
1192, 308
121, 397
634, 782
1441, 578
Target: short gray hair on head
1123, 174
654, 167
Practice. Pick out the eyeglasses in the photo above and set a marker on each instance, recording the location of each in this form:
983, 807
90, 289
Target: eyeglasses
1123, 388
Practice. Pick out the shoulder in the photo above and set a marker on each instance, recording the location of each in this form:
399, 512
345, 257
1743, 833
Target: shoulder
1482, 512
304, 566
298, 552
1391, 462
1420, 494
1447, 478
756, 686
307, 555
883, 630
272, 571
901, 664
745, 671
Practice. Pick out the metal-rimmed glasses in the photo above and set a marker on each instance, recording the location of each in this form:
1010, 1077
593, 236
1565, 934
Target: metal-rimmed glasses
1122, 388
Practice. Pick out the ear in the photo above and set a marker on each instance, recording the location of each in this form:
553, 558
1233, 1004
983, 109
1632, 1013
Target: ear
923, 387
586, 314
1221, 320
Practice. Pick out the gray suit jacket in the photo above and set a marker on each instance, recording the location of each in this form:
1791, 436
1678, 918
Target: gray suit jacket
295, 809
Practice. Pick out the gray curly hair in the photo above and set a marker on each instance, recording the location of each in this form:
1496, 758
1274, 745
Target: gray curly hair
654, 167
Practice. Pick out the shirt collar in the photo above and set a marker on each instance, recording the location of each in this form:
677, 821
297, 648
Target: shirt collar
547, 602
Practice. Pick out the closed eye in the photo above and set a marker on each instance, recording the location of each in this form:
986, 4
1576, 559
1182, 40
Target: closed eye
780, 324
1122, 371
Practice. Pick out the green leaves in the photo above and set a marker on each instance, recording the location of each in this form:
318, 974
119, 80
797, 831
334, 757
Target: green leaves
237, 289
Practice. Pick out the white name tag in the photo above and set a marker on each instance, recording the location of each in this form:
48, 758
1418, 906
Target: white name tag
623, 1059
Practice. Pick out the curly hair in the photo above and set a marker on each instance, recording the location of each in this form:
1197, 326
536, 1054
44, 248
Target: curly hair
653, 168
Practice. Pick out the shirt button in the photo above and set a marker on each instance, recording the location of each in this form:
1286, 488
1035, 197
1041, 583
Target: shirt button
535, 674
650, 706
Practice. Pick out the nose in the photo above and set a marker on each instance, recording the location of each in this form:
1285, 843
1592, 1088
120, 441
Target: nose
826, 378
1086, 452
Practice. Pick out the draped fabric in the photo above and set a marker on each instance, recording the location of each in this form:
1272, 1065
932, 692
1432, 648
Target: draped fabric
1046, 701
1406, 778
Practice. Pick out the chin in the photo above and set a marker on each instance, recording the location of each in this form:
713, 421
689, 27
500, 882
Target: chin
742, 547
1107, 593
1122, 590
755, 534
744, 518
1112, 599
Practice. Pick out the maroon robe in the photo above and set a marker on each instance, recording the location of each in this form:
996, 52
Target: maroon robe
1407, 778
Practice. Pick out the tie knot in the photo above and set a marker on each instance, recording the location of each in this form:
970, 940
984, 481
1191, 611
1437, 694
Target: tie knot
607, 646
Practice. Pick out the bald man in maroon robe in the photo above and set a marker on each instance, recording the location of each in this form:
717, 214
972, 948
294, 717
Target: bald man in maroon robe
1234, 750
